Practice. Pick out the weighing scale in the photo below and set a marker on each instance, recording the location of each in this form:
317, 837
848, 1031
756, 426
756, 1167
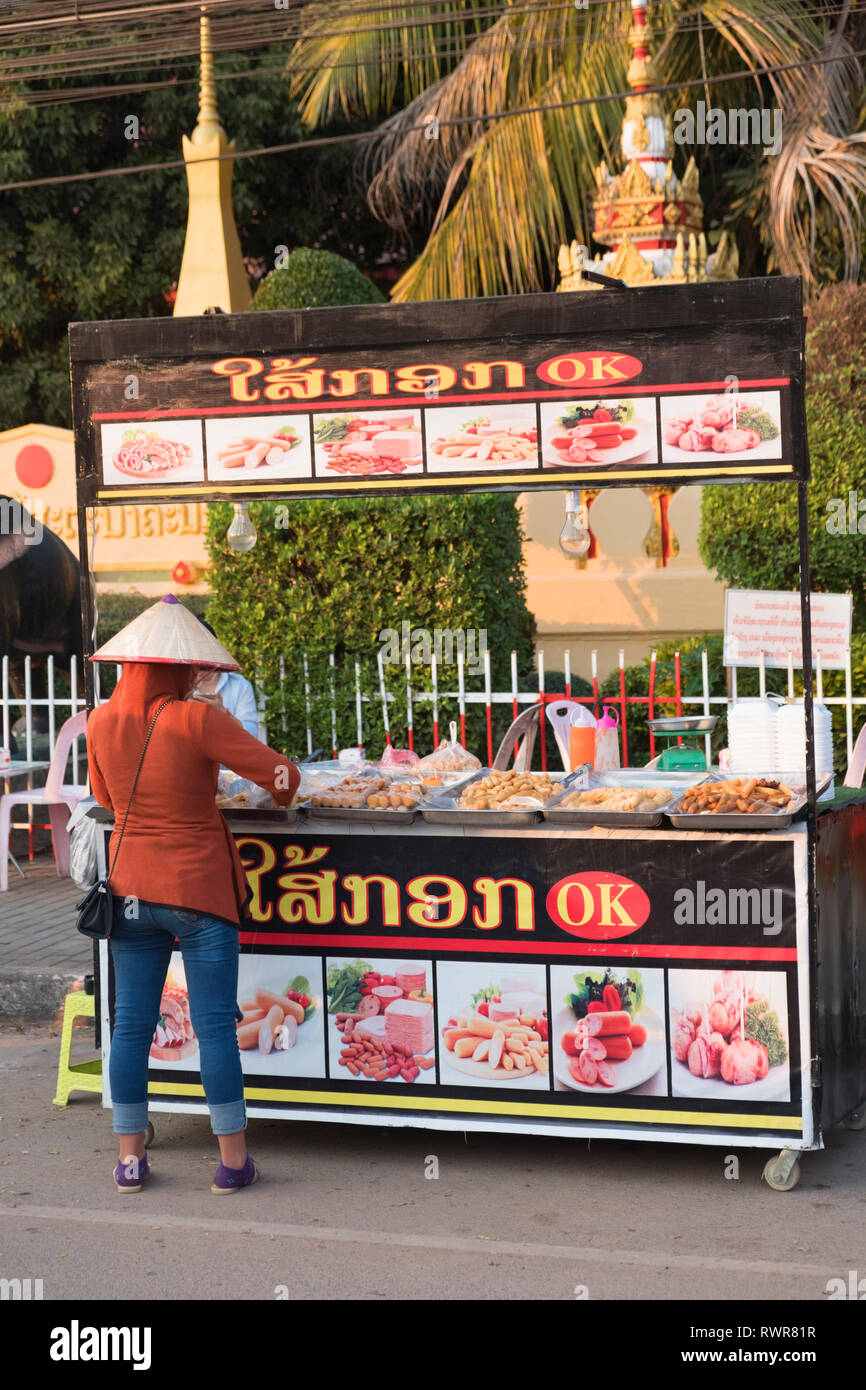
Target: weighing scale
683, 757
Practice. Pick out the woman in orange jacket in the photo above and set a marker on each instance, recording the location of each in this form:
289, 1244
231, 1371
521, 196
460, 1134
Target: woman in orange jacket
178, 874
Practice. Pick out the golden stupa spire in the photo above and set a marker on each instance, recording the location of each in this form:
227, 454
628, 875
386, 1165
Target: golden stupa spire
212, 272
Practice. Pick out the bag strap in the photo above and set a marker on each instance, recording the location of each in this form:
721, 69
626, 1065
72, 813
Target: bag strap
169, 701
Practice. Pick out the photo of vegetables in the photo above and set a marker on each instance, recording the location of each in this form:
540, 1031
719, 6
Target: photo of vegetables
493, 1024
699, 428
599, 433
380, 1021
149, 451
608, 1033
385, 442
258, 447
729, 1034
281, 1031
489, 439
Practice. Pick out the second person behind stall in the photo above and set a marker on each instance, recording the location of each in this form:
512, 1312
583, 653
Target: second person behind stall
228, 690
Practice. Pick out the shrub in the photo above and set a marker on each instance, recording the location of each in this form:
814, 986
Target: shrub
311, 279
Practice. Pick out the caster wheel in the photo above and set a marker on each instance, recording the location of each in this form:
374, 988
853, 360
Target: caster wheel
148, 1135
779, 1176
857, 1118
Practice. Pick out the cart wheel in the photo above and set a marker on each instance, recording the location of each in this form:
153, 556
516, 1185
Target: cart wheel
148, 1135
783, 1172
857, 1118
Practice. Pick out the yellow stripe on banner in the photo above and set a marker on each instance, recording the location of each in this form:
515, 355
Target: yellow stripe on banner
554, 480
351, 1099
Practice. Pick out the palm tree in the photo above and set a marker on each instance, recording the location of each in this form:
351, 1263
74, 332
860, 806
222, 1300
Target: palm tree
500, 195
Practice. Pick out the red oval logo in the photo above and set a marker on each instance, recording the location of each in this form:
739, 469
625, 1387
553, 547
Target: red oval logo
589, 369
598, 906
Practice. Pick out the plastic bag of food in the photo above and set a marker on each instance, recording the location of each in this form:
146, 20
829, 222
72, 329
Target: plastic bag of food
448, 757
397, 757
238, 793
83, 863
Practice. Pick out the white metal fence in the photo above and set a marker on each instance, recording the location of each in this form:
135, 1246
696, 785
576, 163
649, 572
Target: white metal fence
347, 730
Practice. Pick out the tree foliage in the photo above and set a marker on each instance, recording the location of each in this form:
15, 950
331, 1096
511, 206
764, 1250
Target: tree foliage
311, 278
749, 533
328, 576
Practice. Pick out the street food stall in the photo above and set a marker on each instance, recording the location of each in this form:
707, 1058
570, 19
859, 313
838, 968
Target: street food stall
661, 954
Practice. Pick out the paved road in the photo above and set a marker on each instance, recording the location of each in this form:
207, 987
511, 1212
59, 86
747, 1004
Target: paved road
346, 1212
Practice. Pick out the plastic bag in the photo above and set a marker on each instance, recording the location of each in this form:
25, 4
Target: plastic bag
83, 865
397, 757
448, 757
241, 793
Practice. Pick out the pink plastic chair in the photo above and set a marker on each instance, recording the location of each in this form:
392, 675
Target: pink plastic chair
60, 798
857, 765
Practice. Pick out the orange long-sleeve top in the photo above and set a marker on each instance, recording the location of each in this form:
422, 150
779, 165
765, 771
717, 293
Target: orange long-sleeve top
177, 849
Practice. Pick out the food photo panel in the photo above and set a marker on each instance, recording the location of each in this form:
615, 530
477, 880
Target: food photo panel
729, 1035
608, 1031
282, 1032
257, 448
706, 429
378, 442
492, 1024
174, 1046
152, 451
381, 1021
595, 434
481, 439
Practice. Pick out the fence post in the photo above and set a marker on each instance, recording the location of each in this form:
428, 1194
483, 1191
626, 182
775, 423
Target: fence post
410, 730
705, 681
461, 698
541, 716
488, 691
624, 703
849, 711
650, 703
333, 679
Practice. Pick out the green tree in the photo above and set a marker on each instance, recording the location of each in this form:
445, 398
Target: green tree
112, 248
498, 197
749, 534
329, 576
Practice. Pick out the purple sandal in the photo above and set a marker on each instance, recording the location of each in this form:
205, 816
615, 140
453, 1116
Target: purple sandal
232, 1179
130, 1173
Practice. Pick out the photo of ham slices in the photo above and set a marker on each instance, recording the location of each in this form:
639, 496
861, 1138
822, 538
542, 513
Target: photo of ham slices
367, 444
173, 1038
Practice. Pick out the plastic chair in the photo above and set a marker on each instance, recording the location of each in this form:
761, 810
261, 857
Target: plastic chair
526, 724
857, 765
76, 1076
60, 798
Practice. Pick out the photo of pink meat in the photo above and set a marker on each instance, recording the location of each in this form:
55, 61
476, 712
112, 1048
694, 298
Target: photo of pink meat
707, 1042
410, 1023
727, 425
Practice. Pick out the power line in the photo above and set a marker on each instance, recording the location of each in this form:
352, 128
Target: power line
319, 142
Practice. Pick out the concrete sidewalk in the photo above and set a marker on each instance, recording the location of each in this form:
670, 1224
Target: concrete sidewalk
41, 953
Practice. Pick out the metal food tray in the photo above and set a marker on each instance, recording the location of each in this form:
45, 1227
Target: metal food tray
286, 815
737, 820
443, 809
612, 820
364, 815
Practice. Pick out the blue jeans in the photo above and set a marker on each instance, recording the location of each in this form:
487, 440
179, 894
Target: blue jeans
141, 950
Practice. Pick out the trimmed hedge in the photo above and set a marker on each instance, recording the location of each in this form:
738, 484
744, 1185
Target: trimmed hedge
310, 279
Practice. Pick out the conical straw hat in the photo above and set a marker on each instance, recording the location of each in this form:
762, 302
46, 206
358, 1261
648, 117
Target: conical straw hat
167, 632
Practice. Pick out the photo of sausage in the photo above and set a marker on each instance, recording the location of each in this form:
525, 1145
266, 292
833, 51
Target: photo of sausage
608, 1033
281, 1030
493, 1025
259, 447
601, 432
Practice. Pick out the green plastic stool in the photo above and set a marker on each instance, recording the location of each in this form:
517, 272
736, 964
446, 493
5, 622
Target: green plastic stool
78, 1076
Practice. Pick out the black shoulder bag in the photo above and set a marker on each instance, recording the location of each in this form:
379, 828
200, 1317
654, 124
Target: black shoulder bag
96, 909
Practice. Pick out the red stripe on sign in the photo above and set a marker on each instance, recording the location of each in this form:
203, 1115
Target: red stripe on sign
574, 949
327, 406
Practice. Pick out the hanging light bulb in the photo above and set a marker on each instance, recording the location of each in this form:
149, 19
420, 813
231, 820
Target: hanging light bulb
574, 538
242, 534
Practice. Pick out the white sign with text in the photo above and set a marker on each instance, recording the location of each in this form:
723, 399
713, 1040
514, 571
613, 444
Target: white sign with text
761, 620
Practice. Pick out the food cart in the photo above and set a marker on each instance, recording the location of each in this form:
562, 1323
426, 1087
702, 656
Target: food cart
453, 971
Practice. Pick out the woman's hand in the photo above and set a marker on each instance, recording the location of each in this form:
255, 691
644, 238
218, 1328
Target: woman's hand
206, 699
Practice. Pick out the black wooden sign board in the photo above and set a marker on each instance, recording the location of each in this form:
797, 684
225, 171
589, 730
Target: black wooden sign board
670, 385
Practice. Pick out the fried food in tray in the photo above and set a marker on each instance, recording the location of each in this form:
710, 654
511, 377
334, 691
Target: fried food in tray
642, 799
369, 793
744, 796
503, 791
